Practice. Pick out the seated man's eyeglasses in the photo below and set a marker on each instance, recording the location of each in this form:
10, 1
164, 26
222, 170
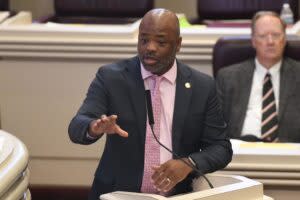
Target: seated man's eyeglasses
274, 36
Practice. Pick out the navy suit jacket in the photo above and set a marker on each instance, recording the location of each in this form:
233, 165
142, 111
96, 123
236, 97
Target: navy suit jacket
198, 126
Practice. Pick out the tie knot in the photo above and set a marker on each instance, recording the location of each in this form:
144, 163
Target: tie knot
268, 75
267, 78
156, 80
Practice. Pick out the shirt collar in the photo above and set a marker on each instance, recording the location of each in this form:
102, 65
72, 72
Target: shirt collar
170, 75
273, 70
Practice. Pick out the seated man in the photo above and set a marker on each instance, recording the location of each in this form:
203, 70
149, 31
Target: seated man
260, 96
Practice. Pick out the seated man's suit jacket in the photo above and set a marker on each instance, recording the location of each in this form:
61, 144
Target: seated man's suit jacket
198, 124
234, 87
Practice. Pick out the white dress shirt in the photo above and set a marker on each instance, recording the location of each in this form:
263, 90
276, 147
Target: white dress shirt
252, 123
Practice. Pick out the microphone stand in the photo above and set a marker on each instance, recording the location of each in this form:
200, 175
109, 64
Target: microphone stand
151, 123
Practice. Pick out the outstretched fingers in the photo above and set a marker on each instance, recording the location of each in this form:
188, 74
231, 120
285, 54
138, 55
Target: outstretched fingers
110, 126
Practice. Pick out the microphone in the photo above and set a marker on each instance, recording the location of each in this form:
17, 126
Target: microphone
151, 123
149, 108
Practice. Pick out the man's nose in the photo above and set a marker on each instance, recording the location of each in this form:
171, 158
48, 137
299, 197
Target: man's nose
270, 38
151, 46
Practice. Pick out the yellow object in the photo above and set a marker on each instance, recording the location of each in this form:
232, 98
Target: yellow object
184, 23
268, 145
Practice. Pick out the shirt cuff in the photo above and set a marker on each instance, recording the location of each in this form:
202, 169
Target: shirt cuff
90, 137
192, 162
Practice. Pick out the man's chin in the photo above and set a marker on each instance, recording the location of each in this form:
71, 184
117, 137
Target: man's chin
150, 68
274, 57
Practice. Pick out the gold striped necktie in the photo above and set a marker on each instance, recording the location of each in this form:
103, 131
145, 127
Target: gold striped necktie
269, 124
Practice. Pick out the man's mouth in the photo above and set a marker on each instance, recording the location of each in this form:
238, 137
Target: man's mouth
271, 50
150, 60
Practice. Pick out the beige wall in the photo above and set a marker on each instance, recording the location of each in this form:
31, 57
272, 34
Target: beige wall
179, 6
37, 7
44, 7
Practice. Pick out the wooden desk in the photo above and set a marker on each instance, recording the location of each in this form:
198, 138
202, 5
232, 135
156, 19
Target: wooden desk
14, 175
225, 187
276, 165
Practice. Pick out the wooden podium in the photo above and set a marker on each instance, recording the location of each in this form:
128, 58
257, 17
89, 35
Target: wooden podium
275, 165
225, 188
14, 175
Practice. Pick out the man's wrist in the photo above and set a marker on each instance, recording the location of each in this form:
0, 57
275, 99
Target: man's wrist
93, 133
191, 161
187, 165
195, 171
91, 137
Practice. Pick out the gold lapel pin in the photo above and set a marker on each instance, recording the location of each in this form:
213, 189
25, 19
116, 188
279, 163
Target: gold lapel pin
187, 85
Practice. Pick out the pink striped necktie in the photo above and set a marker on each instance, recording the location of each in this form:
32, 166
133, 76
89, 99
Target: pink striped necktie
152, 148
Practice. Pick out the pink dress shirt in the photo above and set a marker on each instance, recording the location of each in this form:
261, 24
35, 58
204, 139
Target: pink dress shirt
167, 91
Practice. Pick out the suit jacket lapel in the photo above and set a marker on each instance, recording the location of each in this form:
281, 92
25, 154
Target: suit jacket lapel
242, 99
136, 90
182, 100
287, 86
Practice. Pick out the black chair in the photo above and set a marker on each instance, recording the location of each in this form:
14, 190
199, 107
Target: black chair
238, 9
4, 5
231, 50
98, 11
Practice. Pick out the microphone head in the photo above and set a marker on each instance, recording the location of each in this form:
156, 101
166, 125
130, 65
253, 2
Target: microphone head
149, 107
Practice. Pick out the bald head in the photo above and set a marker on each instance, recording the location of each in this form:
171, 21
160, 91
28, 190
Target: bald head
163, 17
262, 14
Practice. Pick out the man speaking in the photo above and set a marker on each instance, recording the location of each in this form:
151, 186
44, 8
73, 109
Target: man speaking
187, 117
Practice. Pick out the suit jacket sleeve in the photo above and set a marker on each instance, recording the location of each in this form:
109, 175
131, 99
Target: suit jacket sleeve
220, 85
216, 151
94, 105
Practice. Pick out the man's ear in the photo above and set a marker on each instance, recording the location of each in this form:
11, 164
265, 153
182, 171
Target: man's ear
253, 42
179, 40
285, 41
